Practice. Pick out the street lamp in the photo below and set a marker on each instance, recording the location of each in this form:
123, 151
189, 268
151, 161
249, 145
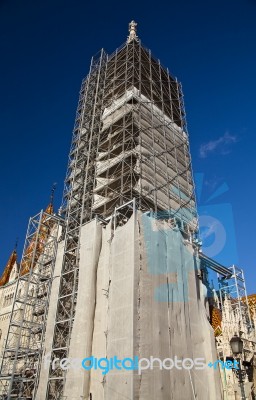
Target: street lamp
237, 345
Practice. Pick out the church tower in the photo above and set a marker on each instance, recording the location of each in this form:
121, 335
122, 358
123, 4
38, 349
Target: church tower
129, 276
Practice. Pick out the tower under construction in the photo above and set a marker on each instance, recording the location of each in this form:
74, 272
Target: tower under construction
118, 272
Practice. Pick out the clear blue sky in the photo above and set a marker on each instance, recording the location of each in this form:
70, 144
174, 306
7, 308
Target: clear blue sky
46, 49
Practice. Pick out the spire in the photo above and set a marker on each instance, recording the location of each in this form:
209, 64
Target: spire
49, 209
52, 192
8, 268
132, 30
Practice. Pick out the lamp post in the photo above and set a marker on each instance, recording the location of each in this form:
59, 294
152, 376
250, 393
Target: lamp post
237, 345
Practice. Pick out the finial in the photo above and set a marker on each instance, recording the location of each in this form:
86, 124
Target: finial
52, 193
132, 30
16, 244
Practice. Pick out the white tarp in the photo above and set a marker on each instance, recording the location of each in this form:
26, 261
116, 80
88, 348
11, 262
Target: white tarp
139, 295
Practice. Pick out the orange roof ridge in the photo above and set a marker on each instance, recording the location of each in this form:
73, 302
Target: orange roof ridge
8, 268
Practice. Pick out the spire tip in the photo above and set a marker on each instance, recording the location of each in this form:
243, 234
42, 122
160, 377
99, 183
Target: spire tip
52, 193
16, 244
132, 32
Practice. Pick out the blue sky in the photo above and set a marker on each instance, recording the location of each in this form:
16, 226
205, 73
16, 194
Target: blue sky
46, 49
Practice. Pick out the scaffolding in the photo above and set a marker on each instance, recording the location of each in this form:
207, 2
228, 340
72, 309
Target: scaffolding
78, 199
233, 287
143, 149
129, 142
23, 350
